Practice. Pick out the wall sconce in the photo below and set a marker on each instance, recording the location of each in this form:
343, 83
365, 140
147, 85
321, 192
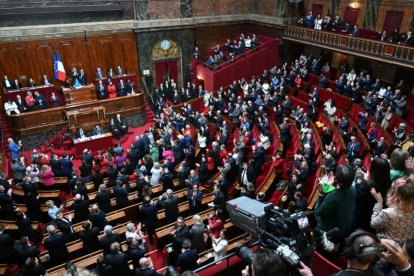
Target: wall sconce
354, 5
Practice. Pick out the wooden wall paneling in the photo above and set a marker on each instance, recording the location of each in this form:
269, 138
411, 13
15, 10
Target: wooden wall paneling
25, 64
7, 61
107, 51
127, 50
44, 61
93, 57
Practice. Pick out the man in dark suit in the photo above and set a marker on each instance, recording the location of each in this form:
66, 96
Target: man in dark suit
7, 84
219, 201
99, 73
25, 250
120, 124
64, 224
352, 149
120, 71
81, 208
103, 198
80, 133
46, 81
149, 217
108, 239
122, 90
40, 100
356, 31
21, 104
180, 232
171, 206
187, 260
89, 237
167, 180
136, 250
195, 197
98, 130
102, 269
101, 91
6, 245
118, 260
121, 195
83, 80
146, 268
56, 245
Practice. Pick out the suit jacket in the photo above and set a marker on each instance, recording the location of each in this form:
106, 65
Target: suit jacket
195, 202
107, 240
81, 208
90, 239
180, 235
99, 131
83, 78
145, 272
78, 134
136, 253
219, 200
98, 220
188, 260
149, 215
24, 252
64, 226
21, 106
101, 92
171, 208
119, 263
121, 196
67, 166
6, 245
103, 199
122, 89
44, 83
56, 245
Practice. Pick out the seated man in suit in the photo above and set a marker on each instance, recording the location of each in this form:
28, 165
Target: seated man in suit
98, 130
17, 84
121, 89
80, 133
113, 128
31, 83
187, 260
46, 81
356, 31
101, 91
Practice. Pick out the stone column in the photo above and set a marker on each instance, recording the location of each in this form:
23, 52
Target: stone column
186, 9
370, 19
141, 10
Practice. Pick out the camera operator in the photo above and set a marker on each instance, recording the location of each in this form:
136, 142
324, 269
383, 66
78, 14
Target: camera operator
266, 263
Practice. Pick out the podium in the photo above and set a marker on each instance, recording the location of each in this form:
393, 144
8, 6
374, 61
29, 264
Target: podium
86, 117
80, 95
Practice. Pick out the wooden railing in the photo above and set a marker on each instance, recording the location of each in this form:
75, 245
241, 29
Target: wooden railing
368, 48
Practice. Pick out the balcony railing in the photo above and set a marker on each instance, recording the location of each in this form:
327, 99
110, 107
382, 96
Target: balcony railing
368, 48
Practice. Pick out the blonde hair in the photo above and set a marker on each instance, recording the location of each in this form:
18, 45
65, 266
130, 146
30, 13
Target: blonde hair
197, 219
402, 196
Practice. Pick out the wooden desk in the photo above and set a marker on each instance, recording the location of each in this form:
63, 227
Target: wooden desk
86, 116
80, 95
93, 143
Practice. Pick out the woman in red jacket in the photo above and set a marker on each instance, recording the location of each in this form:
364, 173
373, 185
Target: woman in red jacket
48, 176
111, 90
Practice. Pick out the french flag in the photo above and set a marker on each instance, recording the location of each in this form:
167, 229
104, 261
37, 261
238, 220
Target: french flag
58, 67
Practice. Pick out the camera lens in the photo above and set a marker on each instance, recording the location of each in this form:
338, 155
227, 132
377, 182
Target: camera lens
245, 253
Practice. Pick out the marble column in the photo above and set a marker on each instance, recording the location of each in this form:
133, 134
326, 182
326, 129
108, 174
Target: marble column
141, 9
371, 15
186, 9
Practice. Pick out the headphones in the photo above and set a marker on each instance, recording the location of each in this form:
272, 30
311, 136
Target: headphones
349, 251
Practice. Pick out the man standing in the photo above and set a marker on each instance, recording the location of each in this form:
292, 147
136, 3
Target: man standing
101, 91
14, 148
195, 199
149, 217
180, 232
334, 209
188, 258
56, 245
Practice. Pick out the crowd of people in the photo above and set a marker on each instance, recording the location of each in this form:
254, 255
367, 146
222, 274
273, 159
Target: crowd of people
35, 100
378, 199
230, 50
336, 24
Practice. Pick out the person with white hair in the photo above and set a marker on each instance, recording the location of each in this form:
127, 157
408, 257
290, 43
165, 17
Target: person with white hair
133, 232
156, 174
56, 245
109, 238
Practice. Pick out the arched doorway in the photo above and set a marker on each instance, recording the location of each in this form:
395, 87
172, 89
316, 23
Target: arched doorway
167, 61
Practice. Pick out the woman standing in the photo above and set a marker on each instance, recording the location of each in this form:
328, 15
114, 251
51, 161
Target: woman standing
156, 174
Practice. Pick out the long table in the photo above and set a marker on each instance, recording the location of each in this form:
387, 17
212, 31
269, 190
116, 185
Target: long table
45, 90
93, 143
